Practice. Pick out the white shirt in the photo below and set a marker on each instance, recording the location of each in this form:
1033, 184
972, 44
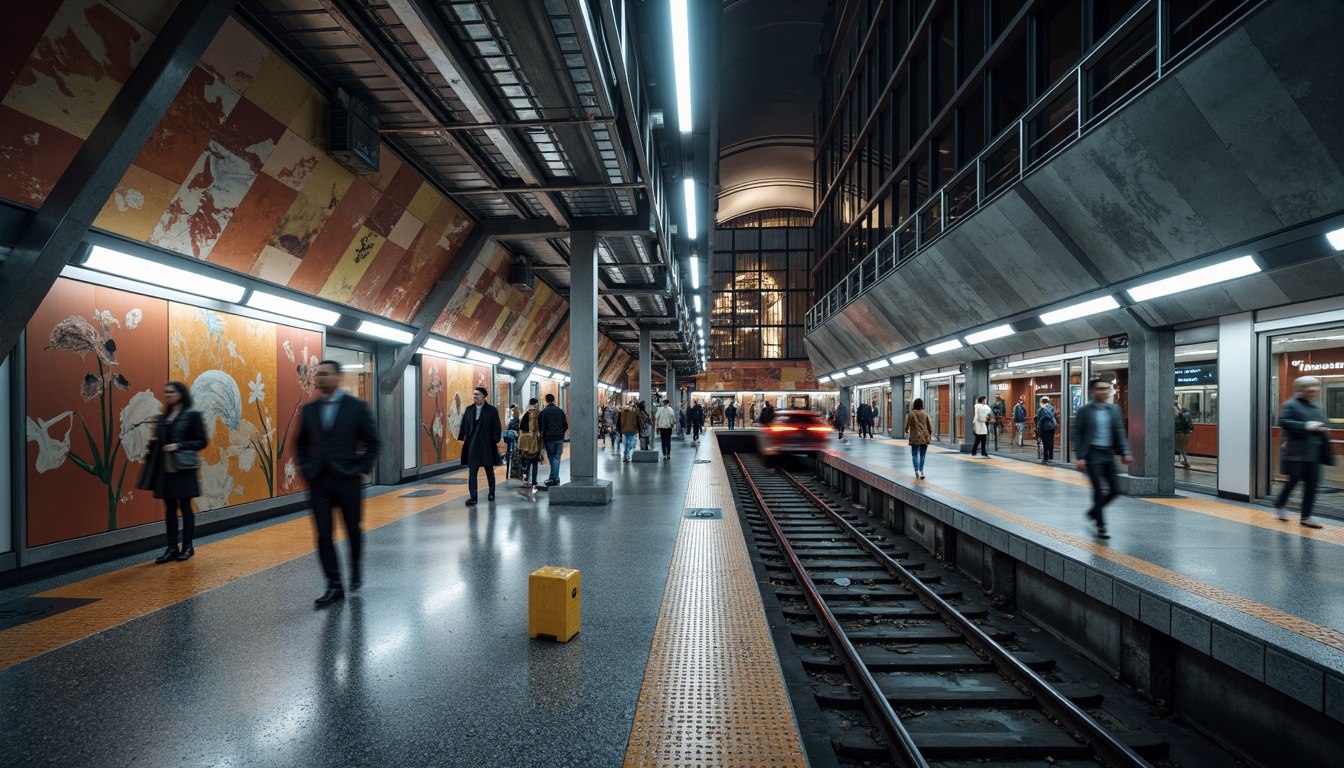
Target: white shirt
1102, 434
982, 414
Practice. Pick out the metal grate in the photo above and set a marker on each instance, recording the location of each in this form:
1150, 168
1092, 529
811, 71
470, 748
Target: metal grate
713, 694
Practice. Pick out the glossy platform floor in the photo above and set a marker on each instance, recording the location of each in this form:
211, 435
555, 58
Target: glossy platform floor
1235, 582
429, 664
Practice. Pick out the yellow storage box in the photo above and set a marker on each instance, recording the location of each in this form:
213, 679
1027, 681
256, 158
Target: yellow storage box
553, 598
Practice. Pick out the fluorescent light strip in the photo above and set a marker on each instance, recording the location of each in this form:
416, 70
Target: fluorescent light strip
1076, 311
513, 365
145, 271
1336, 239
541, 373
879, 365
854, 371
1198, 278
697, 304
298, 310
386, 332
946, 346
699, 322
823, 379
695, 273
689, 186
904, 357
681, 57
444, 348
989, 334
482, 357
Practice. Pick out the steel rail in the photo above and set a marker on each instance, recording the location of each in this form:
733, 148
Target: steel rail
900, 745
1110, 749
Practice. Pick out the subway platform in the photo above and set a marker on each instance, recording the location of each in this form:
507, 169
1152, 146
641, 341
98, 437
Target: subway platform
1215, 608
223, 660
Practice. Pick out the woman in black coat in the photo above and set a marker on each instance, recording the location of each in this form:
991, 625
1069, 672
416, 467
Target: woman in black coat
173, 466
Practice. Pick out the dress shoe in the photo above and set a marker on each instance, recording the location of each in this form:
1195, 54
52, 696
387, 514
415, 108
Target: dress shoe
1311, 524
471, 502
187, 553
490, 496
1101, 532
355, 582
330, 596
169, 555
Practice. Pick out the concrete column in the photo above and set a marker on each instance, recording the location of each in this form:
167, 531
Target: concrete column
977, 385
674, 394
584, 487
1152, 422
847, 399
646, 367
897, 424
390, 411
1236, 411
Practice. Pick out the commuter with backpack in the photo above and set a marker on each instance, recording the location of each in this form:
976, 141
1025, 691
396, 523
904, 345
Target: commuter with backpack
1046, 424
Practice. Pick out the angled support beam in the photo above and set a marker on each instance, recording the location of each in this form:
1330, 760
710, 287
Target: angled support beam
422, 21
435, 303
520, 377
29, 272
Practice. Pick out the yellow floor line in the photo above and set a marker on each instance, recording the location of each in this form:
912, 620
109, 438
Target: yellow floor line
1327, 636
140, 589
713, 693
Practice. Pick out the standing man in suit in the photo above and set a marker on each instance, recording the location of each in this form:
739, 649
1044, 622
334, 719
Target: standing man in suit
332, 429
1099, 437
479, 435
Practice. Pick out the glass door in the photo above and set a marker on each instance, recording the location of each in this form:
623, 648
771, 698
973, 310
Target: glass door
1075, 371
959, 409
937, 401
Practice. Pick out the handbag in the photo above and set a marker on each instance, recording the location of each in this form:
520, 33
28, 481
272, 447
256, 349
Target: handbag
529, 442
181, 460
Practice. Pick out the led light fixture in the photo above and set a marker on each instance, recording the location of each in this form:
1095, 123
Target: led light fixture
823, 379
1080, 310
298, 310
854, 371
386, 332
699, 322
904, 357
946, 346
1336, 239
145, 271
513, 365
1198, 278
879, 365
689, 186
695, 273
541, 373
482, 357
989, 334
681, 58
444, 348
697, 304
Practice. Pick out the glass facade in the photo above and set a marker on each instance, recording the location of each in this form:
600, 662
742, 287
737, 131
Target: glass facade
1318, 353
930, 109
760, 289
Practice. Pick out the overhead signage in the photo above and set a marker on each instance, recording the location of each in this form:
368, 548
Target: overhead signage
1203, 375
1120, 341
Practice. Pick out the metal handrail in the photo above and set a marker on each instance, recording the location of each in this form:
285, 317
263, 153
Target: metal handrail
1150, 12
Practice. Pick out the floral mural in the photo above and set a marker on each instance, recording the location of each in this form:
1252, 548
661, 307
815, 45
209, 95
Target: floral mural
445, 394
88, 440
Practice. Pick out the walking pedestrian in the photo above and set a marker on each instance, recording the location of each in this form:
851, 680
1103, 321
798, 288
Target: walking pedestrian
1047, 421
529, 444
731, 413
861, 415
554, 425
841, 419
1184, 425
632, 424
612, 416
479, 435
695, 419
767, 414
645, 426
1020, 419
665, 419
511, 439
172, 467
1306, 446
980, 424
1099, 434
918, 430
337, 445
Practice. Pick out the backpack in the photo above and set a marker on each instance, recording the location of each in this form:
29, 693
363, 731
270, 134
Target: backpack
1183, 422
1047, 420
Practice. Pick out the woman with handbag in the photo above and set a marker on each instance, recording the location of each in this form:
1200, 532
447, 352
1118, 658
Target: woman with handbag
172, 467
529, 444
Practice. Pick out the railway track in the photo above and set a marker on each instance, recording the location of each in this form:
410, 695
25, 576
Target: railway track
908, 669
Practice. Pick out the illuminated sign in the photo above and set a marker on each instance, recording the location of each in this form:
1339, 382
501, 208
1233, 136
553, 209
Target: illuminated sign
1203, 375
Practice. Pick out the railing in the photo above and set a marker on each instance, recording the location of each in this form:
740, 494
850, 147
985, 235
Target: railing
1134, 57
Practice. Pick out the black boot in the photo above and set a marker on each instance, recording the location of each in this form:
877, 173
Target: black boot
169, 555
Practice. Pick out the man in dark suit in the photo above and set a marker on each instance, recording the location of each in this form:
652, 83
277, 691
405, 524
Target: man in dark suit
1099, 437
331, 432
479, 434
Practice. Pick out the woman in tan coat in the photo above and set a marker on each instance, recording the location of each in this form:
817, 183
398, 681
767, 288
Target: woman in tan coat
919, 429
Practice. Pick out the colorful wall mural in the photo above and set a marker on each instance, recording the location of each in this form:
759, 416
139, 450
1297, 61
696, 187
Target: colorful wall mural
492, 313
760, 377
557, 357
445, 394
234, 173
97, 362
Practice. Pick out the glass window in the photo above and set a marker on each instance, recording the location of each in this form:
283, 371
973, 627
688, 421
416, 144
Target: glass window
971, 45
1292, 356
1059, 32
1196, 414
1008, 88
1026, 385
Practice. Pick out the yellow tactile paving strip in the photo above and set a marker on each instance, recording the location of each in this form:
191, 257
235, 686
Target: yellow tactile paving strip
1327, 636
141, 589
713, 692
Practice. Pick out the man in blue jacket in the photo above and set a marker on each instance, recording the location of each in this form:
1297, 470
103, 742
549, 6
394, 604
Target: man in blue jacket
1099, 437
